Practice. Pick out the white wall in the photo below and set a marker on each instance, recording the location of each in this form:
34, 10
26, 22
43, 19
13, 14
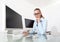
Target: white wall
53, 15
23, 7
2, 16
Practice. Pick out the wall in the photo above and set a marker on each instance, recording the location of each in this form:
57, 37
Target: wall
2, 16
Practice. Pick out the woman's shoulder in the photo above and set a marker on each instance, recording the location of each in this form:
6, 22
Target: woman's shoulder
43, 19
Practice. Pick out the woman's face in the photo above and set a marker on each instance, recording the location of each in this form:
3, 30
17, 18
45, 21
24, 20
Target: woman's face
37, 13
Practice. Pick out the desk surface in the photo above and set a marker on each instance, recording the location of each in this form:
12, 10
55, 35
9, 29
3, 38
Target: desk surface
4, 37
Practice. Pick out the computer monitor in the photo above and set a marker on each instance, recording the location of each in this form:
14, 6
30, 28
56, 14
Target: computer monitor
29, 23
13, 19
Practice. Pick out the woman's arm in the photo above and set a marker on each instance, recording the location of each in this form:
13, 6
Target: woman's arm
42, 27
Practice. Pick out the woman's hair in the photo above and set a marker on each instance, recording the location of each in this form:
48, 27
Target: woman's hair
39, 10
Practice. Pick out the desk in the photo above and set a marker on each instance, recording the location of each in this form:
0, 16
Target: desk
4, 37
30, 39
20, 38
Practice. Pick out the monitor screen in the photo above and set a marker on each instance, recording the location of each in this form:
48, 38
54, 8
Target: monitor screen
29, 23
13, 19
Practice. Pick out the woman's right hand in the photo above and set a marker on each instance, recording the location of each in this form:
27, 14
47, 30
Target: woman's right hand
25, 33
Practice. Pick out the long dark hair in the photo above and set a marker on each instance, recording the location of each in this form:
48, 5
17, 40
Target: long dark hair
40, 11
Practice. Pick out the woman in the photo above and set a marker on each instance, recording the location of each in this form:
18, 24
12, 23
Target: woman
40, 24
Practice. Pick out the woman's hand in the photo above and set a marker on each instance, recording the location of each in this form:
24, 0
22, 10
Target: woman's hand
25, 33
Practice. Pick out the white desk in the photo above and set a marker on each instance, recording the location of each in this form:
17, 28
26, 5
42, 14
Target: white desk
4, 37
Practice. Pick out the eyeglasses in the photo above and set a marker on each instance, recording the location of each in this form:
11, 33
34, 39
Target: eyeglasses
36, 13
